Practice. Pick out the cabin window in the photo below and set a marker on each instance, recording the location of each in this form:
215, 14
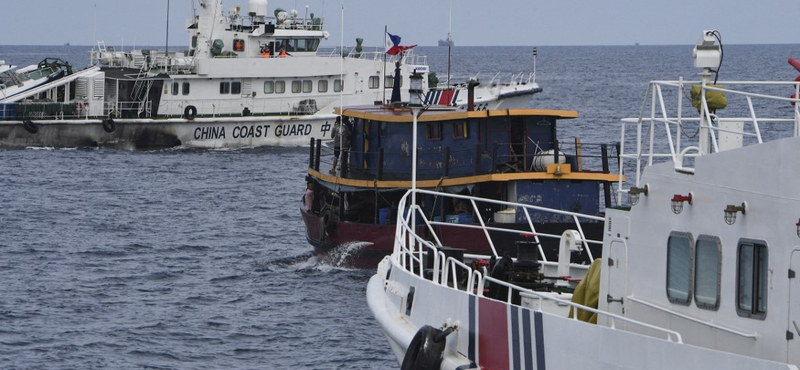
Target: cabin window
707, 266
280, 87
752, 280
238, 45
388, 82
338, 85
297, 86
322, 86
301, 45
374, 82
679, 268
224, 87
269, 87
290, 45
194, 42
236, 87
460, 130
308, 85
175, 87
433, 131
185, 88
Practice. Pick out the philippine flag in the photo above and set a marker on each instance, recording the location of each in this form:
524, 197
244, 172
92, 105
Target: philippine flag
393, 44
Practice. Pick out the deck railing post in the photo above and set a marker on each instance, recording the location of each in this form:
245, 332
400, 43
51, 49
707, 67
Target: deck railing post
317, 155
606, 184
380, 164
311, 154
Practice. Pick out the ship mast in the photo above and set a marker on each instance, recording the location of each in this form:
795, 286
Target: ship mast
449, 42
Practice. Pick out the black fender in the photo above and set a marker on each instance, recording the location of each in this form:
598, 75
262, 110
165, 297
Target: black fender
190, 112
109, 125
29, 126
426, 350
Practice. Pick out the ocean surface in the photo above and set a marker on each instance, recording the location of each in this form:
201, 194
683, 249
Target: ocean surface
197, 259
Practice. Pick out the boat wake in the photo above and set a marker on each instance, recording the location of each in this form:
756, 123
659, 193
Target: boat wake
344, 254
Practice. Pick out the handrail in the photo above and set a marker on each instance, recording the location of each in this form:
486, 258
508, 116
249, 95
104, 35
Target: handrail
445, 269
693, 319
658, 132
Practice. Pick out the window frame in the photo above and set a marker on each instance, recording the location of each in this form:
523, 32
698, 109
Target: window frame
280, 87
670, 270
338, 85
308, 86
433, 131
697, 272
271, 90
297, 86
225, 87
760, 279
186, 88
175, 87
236, 87
322, 86
459, 130
374, 82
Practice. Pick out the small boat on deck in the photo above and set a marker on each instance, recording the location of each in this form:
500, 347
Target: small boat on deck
248, 79
507, 155
698, 272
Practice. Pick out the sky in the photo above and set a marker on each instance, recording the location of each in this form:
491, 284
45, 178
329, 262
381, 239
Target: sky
423, 22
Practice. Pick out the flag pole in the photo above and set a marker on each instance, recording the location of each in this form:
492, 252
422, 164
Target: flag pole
385, 41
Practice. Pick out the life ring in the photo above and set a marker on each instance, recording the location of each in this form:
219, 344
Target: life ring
109, 125
426, 350
78, 109
29, 126
190, 112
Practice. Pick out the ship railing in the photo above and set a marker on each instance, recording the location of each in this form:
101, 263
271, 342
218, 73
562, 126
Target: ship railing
670, 129
128, 109
523, 155
414, 245
236, 107
411, 251
36, 110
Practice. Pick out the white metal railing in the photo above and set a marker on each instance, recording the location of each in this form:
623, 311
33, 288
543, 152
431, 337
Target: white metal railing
410, 250
756, 111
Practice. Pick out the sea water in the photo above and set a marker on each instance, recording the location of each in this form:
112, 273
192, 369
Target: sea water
197, 259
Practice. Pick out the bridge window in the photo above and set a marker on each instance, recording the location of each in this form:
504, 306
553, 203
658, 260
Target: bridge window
679, 268
708, 259
752, 280
236, 87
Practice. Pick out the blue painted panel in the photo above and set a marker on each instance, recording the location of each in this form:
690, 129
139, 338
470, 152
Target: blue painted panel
575, 196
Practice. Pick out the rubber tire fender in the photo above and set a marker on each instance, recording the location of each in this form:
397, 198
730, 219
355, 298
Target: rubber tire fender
190, 112
424, 352
109, 125
29, 126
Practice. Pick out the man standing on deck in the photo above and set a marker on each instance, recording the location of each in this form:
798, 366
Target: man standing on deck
341, 139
